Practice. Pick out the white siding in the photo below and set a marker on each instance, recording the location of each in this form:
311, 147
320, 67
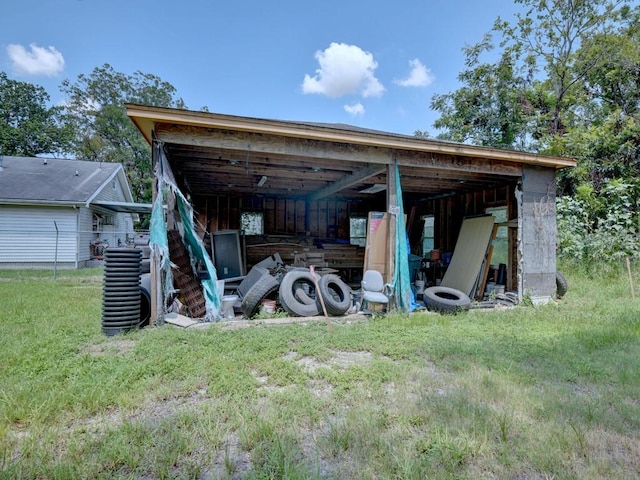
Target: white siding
86, 234
28, 234
111, 194
115, 234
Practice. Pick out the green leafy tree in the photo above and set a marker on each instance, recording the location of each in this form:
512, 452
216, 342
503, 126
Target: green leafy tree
566, 82
535, 90
491, 107
606, 150
547, 36
95, 108
28, 126
612, 65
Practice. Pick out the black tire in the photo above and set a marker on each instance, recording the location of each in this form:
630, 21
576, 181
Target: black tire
145, 266
291, 282
265, 286
335, 293
145, 299
446, 300
561, 285
303, 297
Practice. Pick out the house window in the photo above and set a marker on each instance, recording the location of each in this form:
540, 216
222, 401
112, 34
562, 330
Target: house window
358, 231
252, 223
501, 243
428, 234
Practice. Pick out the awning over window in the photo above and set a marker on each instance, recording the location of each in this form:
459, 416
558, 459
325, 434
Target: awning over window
124, 207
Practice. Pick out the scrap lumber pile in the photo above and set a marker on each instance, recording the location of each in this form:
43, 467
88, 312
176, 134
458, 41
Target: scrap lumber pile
336, 256
188, 284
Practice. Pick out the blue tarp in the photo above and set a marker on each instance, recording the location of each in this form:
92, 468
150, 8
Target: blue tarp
404, 297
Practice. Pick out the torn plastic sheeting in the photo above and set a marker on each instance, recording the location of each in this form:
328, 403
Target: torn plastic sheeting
401, 276
197, 250
159, 242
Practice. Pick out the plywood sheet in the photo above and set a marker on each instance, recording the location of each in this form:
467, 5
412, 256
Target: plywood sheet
471, 248
376, 247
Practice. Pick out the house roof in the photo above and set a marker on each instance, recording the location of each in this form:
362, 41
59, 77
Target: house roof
35, 180
213, 152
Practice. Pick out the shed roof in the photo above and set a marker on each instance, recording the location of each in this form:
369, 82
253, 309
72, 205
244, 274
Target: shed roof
145, 117
212, 152
35, 180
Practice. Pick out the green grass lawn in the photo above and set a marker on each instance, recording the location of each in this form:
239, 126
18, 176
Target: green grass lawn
548, 392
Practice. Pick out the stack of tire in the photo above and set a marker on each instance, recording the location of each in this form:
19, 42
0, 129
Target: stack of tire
121, 290
298, 295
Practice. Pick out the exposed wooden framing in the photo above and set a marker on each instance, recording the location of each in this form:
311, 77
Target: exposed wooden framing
147, 118
349, 181
309, 149
156, 307
392, 201
267, 145
457, 163
315, 171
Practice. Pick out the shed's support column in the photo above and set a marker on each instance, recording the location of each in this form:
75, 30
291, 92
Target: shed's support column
156, 299
538, 234
392, 200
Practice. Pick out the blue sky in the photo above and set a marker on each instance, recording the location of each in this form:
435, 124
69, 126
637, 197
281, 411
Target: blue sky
368, 63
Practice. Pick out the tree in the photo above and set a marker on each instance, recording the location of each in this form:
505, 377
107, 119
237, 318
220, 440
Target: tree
29, 127
95, 108
546, 37
490, 107
612, 66
535, 90
566, 82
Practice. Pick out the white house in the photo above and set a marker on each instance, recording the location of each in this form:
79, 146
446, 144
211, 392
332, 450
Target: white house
62, 212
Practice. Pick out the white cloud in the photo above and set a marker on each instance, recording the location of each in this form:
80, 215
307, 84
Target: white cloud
420, 76
36, 60
344, 70
355, 109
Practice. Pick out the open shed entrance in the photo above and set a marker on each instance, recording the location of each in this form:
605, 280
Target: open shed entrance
305, 188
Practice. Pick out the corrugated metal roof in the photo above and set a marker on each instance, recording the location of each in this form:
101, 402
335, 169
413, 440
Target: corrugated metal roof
55, 180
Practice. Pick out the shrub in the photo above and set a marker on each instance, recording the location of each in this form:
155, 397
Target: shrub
603, 227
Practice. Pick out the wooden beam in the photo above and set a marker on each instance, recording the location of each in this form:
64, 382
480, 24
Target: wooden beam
346, 182
427, 160
146, 118
392, 201
307, 151
266, 145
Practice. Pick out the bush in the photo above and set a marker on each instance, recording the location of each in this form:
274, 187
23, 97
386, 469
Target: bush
602, 227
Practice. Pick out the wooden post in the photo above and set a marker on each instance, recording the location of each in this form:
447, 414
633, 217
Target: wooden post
319, 293
392, 203
156, 288
482, 284
633, 294
156, 278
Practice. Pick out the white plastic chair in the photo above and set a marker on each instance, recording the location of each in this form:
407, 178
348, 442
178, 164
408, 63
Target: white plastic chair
373, 289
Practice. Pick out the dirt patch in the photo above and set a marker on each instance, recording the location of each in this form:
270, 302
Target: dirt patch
110, 347
339, 359
231, 461
150, 413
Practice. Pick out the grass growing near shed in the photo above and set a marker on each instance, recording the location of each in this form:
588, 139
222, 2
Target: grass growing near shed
536, 392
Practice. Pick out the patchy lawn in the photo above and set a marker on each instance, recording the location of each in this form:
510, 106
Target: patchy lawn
524, 393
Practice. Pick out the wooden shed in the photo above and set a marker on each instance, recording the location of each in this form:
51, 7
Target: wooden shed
297, 187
